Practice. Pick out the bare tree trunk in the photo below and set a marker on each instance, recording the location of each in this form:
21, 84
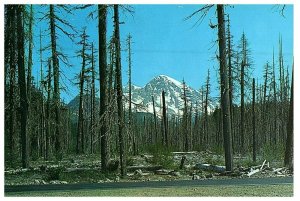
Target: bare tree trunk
12, 64
48, 110
29, 72
93, 101
102, 12
30, 44
80, 137
56, 93
264, 108
230, 74
166, 143
155, 121
119, 91
43, 136
22, 86
224, 90
185, 121
275, 105
242, 123
206, 107
254, 144
131, 135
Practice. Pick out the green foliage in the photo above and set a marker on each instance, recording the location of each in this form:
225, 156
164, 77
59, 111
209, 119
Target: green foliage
54, 173
272, 152
161, 156
219, 150
248, 162
214, 159
86, 176
129, 161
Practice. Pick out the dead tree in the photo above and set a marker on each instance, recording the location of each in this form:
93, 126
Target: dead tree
30, 46
11, 22
57, 23
80, 125
42, 83
242, 84
207, 92
93, 101
22, 85
48, 118
185, 117
56, 93
230, 73
165, 126
254, 144
102, 13
131, 135
225, 104
155, 121
274, 137
119, 91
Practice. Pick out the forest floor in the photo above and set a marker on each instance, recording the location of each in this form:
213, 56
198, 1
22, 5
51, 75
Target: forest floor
144, 167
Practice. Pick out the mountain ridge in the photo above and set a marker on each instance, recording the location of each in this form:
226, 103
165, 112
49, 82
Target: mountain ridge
142, 96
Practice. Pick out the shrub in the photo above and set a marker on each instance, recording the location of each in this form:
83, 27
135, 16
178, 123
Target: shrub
161, 156
273, 152
54, 173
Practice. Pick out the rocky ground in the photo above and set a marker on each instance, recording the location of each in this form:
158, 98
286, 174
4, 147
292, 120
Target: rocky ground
144, 167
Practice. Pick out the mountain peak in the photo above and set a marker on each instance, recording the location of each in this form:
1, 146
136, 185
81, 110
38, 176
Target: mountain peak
168, 80
143, 97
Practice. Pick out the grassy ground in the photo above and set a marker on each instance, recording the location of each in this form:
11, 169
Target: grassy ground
207, 191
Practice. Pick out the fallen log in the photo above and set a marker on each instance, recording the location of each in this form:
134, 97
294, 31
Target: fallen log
162, 172
144, 168
262, 166
252, 172
278, 170
183, 152
80, 169
209, 167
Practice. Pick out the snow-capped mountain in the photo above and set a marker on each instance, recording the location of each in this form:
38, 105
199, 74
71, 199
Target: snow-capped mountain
142, 96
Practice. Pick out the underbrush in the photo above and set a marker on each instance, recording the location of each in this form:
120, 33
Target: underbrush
274, 152
161, 156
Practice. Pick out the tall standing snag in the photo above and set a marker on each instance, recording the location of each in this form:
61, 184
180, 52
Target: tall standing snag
93, 102
119, 91
155, 121
131, 136
48, 111
22, 85
102, 9
165, 120
253, 123
185, 118
11, 21
224, 89
56, 93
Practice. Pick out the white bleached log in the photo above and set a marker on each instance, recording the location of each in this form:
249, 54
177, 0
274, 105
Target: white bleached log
252, 172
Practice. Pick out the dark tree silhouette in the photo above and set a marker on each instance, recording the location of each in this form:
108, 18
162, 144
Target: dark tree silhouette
119, 91
22, 85
102, 12
225, 104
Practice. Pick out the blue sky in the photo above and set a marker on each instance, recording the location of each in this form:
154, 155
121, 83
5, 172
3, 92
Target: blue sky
166, 44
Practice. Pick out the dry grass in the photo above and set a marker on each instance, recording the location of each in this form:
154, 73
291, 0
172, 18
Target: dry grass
207, 191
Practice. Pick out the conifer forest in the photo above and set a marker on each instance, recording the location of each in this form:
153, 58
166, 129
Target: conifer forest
74, 114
